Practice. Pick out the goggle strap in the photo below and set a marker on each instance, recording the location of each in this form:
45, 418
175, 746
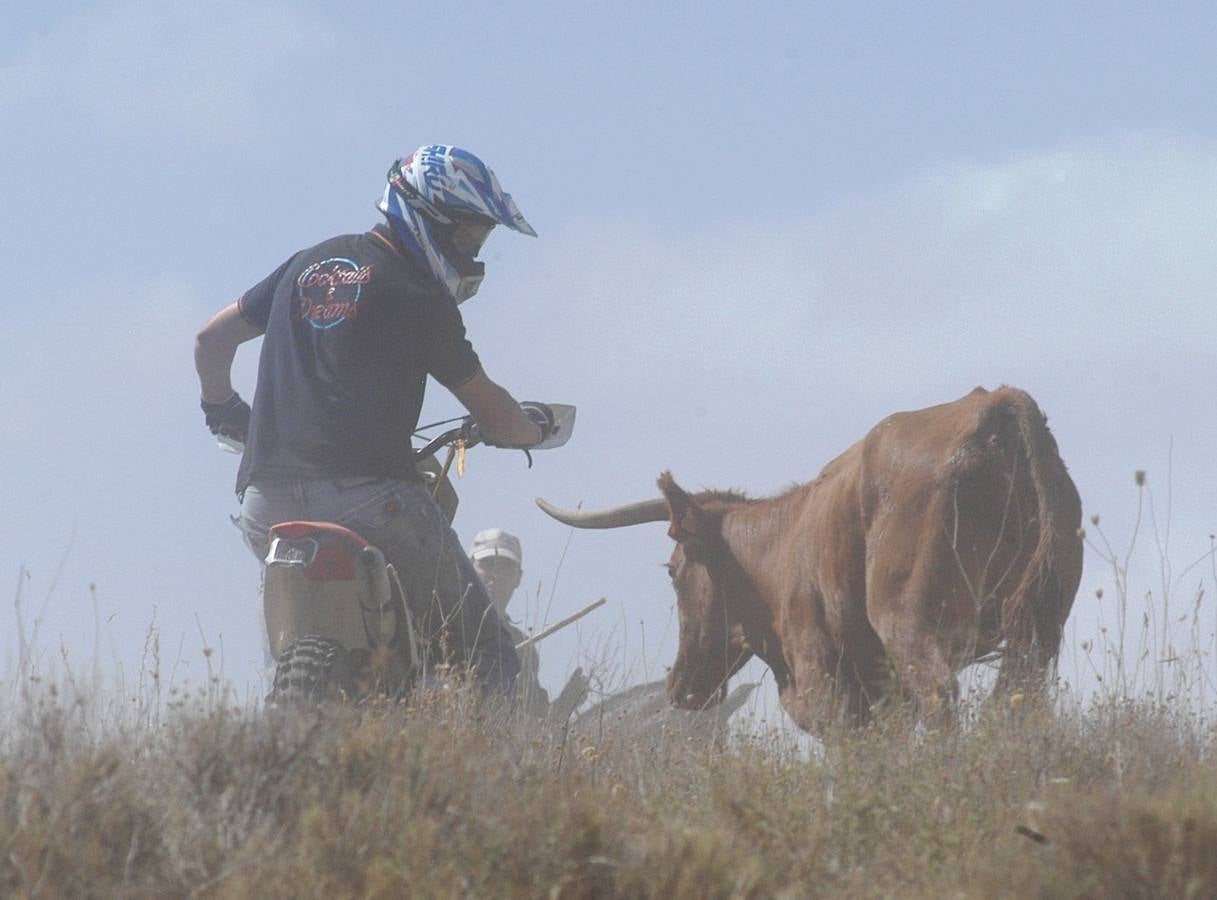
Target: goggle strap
408, 193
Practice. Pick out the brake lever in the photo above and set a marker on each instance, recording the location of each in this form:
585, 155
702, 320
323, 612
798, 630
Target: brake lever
471, 434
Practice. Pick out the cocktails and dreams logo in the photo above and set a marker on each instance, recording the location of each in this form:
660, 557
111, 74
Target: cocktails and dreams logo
327, 292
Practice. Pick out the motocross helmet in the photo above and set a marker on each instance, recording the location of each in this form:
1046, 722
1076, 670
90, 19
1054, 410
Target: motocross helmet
443, 202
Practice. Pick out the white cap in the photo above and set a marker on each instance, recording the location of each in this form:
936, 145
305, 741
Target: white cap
497, 542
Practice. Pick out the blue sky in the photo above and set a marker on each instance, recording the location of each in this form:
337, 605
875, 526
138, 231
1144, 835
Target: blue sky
761, 230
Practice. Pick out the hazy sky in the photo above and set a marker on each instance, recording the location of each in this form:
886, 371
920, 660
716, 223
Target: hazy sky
761, 230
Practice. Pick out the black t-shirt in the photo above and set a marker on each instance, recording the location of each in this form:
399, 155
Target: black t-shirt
352, 329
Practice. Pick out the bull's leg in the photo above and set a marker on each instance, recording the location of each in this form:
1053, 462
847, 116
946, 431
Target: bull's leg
1022, 669
930, 680
919, 650
832, 691
920, 604
808, 701
1030, 654
817, 701
806, 708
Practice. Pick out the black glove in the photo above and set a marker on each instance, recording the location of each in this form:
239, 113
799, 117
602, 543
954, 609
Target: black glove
541, 415
538, 413
229, 419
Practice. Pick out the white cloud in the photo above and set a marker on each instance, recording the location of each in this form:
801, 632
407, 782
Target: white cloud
1089, 250
749, 354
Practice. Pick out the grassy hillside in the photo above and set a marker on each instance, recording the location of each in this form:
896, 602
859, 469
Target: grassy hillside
438, 800
167, 795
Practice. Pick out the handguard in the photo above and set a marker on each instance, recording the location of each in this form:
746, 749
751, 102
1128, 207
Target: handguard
561, 418
563, 415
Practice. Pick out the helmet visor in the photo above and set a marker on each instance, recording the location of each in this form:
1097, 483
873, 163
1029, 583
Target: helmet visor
468, 235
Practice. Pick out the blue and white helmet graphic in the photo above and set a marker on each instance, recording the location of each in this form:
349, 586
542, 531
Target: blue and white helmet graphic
442, 201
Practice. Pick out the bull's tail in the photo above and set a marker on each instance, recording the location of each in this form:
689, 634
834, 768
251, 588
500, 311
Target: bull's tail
1033, 615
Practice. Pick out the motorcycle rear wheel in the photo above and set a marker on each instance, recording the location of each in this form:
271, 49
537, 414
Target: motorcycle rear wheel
312, 669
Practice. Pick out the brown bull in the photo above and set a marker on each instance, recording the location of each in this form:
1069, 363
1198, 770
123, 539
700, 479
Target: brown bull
945, 535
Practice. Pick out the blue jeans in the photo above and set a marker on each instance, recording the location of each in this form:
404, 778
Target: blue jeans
452, 613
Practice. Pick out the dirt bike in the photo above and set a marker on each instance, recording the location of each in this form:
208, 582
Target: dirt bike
337, 617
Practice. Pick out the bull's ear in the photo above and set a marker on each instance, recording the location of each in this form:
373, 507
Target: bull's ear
688, 524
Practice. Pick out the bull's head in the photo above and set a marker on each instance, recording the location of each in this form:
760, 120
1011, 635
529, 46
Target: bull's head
708, 583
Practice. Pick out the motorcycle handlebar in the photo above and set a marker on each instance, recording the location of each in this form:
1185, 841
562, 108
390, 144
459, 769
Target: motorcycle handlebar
559, 421
468, 432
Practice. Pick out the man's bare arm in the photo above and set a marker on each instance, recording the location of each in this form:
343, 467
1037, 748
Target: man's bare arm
496, 412
214, 348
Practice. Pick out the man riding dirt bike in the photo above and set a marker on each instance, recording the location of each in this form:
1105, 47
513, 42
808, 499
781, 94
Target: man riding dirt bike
352, 328
340, 621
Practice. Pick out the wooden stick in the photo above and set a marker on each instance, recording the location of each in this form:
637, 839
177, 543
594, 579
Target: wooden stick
557, 626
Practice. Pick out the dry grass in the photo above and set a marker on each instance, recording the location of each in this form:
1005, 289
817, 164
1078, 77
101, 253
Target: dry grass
441, 800
1115, 796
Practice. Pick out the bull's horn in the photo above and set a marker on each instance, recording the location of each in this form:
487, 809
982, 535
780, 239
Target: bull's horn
616, 517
